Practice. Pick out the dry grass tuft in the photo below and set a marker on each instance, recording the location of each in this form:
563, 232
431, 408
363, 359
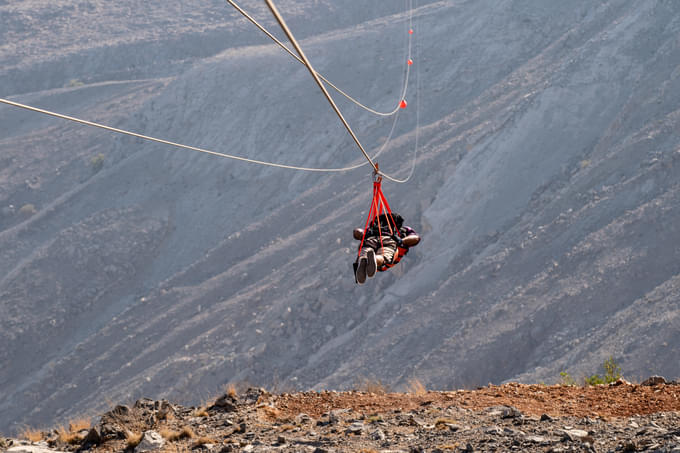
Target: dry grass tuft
448, 447
442, 423
203, 440
187, 433
415, 387
287, 427
231, 390
133, 439
79, 424
270, 412
172, 435
169, 434
201, 411
68, 436
31, 435
372, 386
73, 435
375, 418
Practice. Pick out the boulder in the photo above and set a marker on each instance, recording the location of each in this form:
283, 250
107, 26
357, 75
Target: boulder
30, 449
93, 436
578, 435
226, 402
253, 395
151, 441
654, 380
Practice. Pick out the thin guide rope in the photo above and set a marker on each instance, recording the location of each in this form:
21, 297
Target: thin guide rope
245, 159
298, 49
291, 53
415, 147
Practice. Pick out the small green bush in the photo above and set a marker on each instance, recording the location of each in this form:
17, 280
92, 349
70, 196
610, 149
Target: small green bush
595, 379
612, 373
566, 379
28, 210
97, 162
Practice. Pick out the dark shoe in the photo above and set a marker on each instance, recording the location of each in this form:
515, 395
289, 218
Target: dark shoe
371, 266
361, 271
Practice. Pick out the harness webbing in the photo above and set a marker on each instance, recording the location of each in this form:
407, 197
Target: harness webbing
379, 205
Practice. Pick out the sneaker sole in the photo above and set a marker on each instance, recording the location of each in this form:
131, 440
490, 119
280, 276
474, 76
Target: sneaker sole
372, 266
361, 271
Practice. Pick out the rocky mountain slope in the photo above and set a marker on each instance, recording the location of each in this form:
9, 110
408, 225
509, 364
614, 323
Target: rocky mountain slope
545, 190
622, 417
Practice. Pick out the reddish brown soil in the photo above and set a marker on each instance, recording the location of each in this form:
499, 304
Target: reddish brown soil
606, 401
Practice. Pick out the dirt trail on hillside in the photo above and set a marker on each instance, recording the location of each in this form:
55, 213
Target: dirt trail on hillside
603, 400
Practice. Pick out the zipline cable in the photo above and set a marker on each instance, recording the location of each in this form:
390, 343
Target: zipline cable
177, 145
239, 158
291, 53
298, 49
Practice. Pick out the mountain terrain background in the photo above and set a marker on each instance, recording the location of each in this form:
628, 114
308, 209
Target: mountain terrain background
546, 136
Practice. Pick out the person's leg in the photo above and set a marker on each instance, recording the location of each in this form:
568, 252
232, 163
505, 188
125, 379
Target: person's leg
386, 252
370, 244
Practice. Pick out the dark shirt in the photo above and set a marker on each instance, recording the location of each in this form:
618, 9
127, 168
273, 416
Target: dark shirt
387, 227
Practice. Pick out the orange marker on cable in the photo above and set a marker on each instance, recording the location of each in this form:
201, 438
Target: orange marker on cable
409, 62
403, 104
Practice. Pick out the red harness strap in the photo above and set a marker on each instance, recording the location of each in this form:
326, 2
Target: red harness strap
380, 206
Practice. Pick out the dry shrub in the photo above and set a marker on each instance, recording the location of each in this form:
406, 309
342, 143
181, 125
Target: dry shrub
372, 386
415, 387
31, 435
133, 439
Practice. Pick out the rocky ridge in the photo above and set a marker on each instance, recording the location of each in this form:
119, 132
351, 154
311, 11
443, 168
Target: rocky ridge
512, 417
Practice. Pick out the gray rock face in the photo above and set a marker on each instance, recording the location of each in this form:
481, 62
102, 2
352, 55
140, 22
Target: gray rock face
151, 441
30, 449
654, 380
545, 188
388, 430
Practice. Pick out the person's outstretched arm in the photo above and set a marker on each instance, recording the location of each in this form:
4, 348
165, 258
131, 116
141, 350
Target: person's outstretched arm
411, 240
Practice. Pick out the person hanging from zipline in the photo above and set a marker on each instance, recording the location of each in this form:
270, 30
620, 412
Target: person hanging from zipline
385, 241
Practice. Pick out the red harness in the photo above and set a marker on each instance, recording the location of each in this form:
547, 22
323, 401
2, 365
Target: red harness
379, 206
